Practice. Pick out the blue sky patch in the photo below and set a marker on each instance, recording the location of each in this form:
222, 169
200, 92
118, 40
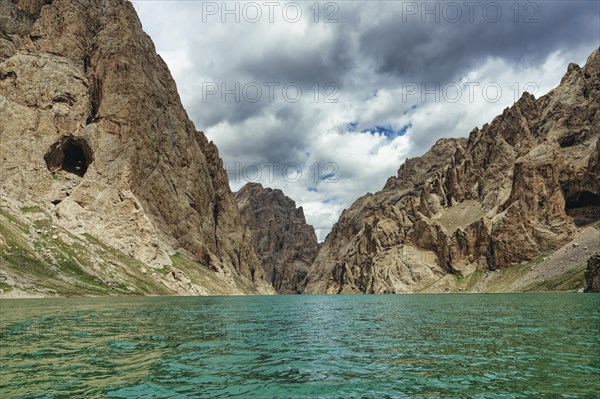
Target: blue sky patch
326, 176
387, 130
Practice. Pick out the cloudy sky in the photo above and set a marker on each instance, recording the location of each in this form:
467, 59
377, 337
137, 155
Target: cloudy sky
325, 100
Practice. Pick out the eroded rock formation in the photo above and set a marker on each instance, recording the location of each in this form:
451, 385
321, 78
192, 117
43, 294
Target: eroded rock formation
592, 274
519, 187
285, 244
94, 133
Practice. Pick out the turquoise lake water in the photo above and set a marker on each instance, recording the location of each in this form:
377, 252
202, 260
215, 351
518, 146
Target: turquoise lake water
378, 346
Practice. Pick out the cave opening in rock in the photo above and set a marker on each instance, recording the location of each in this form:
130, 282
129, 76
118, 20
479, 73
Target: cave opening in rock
583, 207
582, 199
70, 154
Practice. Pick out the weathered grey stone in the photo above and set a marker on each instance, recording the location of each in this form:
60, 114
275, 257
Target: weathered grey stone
285, 244
592, 274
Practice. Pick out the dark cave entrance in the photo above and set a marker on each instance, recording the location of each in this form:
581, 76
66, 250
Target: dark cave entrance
582, 206
71, 154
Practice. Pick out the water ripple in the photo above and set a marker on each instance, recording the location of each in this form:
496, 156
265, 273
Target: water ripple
409, 346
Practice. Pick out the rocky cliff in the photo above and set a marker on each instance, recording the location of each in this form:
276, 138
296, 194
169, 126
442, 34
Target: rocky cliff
592, 274
96, 141
506, 198
285, 244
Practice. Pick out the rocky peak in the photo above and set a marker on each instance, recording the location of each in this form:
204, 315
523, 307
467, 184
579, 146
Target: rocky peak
413, 171
285, 244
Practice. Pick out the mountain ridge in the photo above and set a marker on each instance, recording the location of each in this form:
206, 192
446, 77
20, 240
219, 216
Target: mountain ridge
516, 189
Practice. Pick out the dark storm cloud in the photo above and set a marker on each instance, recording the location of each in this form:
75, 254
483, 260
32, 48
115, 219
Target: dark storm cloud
402, 47
216, 109
328, 63
444, 51
282, 139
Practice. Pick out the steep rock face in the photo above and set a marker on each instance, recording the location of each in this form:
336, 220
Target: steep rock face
93, 132
285, 244
518, 187
592, 274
